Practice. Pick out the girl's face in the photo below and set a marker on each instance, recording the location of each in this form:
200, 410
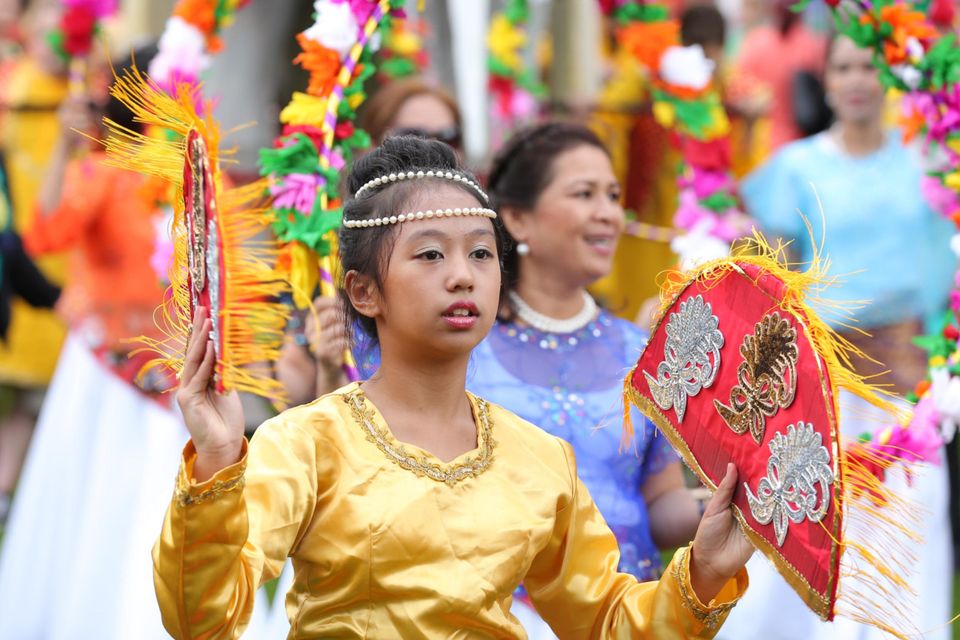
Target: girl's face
441, 288
577, 221
853, 84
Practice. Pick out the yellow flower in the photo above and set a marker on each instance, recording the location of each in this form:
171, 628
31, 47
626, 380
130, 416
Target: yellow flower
954, 144
952, 181
505, 42
355, 100
665, 114
937, 361
405, 43
304, 109
719, 124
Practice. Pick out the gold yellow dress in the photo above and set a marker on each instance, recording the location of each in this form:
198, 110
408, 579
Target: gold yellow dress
387, 541
29, 132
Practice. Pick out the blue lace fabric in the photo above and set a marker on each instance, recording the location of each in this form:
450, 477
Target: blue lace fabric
571, 385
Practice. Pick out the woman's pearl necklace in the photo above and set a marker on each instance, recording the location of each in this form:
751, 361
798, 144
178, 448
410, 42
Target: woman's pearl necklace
546, 324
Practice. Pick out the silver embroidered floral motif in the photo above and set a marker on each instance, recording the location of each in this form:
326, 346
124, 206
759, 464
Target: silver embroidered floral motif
691, 356
798, 463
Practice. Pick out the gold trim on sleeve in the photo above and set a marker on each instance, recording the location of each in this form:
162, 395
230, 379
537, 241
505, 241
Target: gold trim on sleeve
709, 616
185, 497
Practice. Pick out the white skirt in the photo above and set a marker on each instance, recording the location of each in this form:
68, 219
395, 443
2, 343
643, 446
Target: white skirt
771, 609
75, 560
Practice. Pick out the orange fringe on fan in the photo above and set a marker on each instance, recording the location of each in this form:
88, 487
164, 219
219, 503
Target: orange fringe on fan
252, 320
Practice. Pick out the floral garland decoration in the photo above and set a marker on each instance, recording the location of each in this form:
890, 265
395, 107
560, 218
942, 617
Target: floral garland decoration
515, 89
686, 102
189, 38
319, 139
79, 24
403, 54
914, 58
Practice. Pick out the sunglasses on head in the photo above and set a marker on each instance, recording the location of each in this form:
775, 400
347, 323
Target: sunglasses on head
449, 135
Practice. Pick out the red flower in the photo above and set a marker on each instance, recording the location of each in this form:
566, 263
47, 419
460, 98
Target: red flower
78, 25
712, 155
344, 130
950, 332
314, 133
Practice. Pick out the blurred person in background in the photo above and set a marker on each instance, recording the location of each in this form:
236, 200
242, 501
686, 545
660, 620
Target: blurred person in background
32, 85
75, 560
776, 54
411, 106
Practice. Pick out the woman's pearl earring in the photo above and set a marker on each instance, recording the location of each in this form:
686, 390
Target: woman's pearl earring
523, 249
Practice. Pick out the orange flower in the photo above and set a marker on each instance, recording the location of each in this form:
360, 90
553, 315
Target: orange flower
911, 124
647, 41
199, 13
906, 24
322, 63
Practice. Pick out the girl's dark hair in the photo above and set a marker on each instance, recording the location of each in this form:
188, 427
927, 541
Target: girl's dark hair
367, 250
523, 168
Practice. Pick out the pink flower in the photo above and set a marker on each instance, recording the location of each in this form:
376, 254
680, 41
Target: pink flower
361, 9
706, 182
940, 109
941, 199
296, 191
523, 105
689, 212
920, 441
99, 8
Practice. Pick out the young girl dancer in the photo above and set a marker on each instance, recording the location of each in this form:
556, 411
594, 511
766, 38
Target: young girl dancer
411, 508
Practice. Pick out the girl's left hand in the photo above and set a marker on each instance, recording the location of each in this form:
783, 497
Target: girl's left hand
719, 549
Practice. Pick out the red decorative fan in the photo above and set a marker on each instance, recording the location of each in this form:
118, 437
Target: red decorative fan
204, 258
740, 369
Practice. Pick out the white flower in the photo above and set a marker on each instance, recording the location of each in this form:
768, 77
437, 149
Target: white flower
945, 390
686, 67
910, 75
699, 246
914, 50
955, 244
336, 28
182, 49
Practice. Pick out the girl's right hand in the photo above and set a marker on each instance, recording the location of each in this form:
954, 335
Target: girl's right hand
215, 421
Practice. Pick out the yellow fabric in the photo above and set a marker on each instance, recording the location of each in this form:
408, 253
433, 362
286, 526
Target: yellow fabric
381, 552
30, 353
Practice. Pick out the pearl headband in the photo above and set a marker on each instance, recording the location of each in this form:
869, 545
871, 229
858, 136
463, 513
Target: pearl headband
412, 175
421, 215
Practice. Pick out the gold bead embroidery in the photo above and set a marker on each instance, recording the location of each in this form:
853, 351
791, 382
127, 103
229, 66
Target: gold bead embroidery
710, 617
397, 453
185, 498
766, 379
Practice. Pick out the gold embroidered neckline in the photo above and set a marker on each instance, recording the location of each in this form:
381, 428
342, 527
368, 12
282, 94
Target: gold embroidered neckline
420, 464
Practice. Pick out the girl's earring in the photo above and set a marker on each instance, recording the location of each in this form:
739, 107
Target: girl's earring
523, 249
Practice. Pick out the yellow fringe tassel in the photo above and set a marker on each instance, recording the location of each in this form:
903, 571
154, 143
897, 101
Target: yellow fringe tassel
252, 320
